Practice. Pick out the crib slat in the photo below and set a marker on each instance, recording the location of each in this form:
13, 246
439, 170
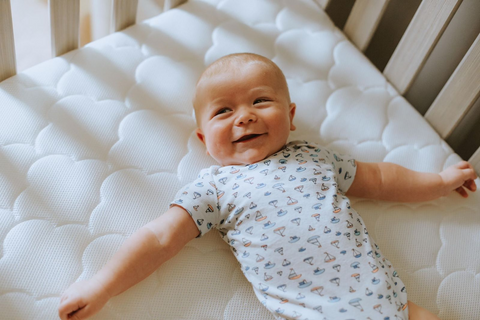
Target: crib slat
475, 162
124, 14
323, 3
458, 95
170, 4
64, 24
7, 45
423, 32
363, 21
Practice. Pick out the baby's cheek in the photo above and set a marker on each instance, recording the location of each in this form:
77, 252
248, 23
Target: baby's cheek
281, 129
219, 150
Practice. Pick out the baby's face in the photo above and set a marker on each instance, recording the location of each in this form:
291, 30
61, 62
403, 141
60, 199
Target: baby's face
244, 116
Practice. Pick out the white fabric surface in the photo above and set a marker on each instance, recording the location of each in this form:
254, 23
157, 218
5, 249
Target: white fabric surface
94, 144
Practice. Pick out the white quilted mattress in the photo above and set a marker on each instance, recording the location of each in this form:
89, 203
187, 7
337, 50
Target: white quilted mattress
95, 144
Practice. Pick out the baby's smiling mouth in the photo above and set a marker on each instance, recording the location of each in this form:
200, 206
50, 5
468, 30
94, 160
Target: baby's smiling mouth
248, 137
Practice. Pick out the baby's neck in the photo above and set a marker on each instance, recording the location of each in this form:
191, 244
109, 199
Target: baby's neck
239, 163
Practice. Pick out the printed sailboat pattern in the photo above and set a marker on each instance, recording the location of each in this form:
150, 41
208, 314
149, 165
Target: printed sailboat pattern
301, 245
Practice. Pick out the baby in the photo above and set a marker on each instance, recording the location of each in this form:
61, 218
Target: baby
282, 207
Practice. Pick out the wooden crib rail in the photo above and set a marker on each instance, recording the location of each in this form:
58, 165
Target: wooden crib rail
418, 41
475, 161
64, 25
124, 14
169, 4
421, 36
65, 19
7, 48
425, 29
458, 95
363, 21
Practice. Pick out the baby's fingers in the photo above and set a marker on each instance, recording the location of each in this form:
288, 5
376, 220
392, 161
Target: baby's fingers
462, 192
67, 307
469, 173
470, 185
463, 165
81, 314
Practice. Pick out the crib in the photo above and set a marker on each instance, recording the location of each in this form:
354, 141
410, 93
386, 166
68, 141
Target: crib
95, 142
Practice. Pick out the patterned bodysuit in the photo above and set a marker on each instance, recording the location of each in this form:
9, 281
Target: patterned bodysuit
301, 245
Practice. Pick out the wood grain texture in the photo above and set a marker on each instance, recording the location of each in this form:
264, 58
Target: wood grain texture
458, 95
363, 21
423, 32
7, 45
64, 24
124, 14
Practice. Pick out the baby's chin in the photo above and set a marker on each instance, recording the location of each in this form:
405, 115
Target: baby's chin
245, 158
240, 161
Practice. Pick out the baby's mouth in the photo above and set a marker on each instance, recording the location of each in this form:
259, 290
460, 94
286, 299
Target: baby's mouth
247, 137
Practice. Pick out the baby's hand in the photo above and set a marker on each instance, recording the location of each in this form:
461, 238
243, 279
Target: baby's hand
458, 176
82, 300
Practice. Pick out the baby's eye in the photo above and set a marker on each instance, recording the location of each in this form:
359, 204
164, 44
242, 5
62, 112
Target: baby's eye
259, 100
222, 111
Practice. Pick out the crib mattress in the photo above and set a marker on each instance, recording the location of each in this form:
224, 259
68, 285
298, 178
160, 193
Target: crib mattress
95, 143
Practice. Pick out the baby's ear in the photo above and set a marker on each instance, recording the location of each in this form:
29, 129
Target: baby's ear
201, 137
293, 108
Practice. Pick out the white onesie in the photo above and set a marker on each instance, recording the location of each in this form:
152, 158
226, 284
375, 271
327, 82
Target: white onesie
305, 251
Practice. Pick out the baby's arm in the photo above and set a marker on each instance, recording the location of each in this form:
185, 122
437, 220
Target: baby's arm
389, 181
139, 256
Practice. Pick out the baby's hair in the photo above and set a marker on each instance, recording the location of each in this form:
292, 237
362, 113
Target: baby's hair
235, 61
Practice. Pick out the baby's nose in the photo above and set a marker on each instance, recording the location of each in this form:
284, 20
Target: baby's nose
246, 117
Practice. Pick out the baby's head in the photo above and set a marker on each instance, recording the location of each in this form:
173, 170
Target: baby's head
243, 109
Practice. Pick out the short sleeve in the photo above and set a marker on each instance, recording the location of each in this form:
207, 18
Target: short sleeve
345, 169
199, 199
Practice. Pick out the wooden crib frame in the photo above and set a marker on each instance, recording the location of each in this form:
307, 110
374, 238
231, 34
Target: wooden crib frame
429, 22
